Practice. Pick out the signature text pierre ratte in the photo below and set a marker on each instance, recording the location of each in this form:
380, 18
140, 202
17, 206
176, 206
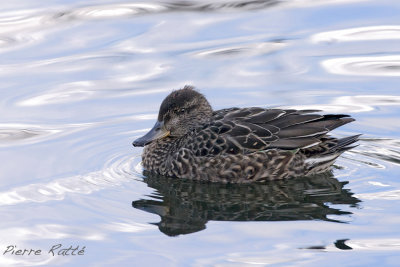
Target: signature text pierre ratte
58, 249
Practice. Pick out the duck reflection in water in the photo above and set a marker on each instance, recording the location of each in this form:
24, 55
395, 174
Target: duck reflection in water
186, 206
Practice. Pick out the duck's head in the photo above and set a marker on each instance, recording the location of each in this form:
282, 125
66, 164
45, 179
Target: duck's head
180, 112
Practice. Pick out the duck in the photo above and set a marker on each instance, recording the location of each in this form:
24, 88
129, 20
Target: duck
190, 140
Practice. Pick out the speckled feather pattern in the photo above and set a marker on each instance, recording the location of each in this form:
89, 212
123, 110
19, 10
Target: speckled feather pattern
250, 144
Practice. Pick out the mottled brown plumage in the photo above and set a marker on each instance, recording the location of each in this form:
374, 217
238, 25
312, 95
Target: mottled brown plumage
192, 141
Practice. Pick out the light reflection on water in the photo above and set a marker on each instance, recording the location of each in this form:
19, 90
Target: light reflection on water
369, 66
384, 32
120, 170
81, 80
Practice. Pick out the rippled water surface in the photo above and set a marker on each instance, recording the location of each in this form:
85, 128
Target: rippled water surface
80, 80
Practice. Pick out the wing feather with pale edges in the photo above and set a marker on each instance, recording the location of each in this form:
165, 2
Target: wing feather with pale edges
246, 130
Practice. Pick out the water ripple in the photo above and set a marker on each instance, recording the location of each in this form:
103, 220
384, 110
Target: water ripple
375, 244
7, 41
118, 170
12, 134
386, 195
29, 26
82, 90
73, 63
364, 66
354, 104
368, 163
109, 11
386, 150
246, 49
383, 32
9, 135
224, 6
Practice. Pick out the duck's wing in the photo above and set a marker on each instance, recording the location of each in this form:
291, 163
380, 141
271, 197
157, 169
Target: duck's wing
253, 129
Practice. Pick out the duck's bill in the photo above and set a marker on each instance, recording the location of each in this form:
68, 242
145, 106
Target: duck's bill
157, 132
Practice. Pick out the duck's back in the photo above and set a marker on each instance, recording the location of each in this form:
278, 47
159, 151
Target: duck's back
244, 131
242, 145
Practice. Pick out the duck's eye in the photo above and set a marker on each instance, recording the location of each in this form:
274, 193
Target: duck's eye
180, 111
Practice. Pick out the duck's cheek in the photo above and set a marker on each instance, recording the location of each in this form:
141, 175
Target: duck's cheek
172, 125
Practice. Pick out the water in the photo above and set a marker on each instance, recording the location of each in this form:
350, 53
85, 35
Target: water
80, 80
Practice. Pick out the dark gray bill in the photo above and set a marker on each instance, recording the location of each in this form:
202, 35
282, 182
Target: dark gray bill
158, 131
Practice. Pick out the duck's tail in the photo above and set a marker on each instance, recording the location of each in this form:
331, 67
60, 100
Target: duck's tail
320, 162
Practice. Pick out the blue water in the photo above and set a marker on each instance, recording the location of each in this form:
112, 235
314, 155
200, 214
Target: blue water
80, 80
